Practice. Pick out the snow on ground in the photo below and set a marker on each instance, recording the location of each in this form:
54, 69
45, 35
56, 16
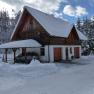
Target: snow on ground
51, 78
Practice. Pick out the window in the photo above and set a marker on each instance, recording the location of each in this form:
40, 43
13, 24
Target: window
42, 51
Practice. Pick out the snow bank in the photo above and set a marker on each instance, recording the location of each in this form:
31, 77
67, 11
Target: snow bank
48, 78
35, 62
34, 69
16, 75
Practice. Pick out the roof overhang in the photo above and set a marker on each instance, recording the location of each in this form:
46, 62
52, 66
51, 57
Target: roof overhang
29, 43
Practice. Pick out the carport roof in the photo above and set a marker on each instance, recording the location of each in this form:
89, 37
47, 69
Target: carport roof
21, 44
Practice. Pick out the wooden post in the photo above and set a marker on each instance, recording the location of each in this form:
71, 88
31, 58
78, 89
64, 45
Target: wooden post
14, 52
48, 54
24, 53
6, 55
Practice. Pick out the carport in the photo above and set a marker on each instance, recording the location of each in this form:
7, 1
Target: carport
14, 45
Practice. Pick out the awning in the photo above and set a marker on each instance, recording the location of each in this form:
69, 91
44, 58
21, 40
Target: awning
21, 44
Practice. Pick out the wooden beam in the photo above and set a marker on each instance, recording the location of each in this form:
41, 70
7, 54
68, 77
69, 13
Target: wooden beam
6, 55
14, 52
24, 53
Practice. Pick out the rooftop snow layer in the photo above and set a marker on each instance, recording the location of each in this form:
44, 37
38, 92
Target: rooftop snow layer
21, 43
52, 25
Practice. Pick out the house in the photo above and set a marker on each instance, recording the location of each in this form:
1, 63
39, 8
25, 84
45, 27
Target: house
52, 38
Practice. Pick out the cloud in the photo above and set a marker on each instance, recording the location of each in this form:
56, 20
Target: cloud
59, 15
74, 11
81, 11
48, 6
13, 2
69, 10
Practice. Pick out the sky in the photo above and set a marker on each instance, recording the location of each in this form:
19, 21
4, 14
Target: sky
68, 10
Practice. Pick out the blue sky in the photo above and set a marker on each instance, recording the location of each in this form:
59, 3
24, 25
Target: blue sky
88, 5
65, 9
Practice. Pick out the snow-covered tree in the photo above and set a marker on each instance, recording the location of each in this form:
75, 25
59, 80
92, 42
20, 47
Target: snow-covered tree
6, 26
86, 26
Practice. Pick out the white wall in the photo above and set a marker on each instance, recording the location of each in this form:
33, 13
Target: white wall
51, 51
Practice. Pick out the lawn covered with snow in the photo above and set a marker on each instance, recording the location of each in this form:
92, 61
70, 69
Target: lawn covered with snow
60, 78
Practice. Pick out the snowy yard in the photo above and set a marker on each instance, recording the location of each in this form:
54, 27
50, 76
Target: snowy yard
48, 78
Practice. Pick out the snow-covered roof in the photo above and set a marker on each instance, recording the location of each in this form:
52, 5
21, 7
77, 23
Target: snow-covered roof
54, 26
21, 44
81, 36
